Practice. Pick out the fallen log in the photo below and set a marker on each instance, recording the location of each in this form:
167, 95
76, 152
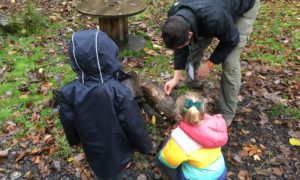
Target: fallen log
159, 100
134, 84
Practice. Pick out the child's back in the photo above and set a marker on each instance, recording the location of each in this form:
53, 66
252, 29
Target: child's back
193, 150
97, 110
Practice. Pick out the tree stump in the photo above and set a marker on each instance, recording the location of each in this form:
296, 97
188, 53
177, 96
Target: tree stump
113, 17
116, 29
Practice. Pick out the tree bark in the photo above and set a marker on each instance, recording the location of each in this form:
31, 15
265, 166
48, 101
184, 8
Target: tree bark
159, 100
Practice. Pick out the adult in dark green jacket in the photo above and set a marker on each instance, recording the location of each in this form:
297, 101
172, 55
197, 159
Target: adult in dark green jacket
97, 110
189, 29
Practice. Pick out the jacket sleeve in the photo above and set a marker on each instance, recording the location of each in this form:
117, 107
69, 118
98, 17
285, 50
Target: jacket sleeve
67, 116
228, 35
132, 122
171, 154
180, 58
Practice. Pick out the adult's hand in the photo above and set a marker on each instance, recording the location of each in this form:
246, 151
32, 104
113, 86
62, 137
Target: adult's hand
172, 83
204, 69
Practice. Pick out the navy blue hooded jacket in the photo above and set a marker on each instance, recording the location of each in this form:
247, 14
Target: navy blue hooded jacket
97, 110
211, 18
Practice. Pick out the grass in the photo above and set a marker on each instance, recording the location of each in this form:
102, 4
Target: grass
23, 58
28, 20
279, 111
274, 32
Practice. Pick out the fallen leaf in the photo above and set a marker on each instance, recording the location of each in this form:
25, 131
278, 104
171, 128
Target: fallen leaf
28, 174
253, 140
46, 87
262, 77
47, 137
275, 98
155, 46
151, 52
277, 122
35, 139
51, 50
142, 177
54, 19
36, 160
4, 153
256, 157
243, 153
15, 175
79, 157
10, 126
237, 159
153, 120
35, 151
56, 165
263, 172
230, 173
70, 159
77, 172
35, 116
243, 175
169, 52
277, 171
24, 144
10, 53
263, 118
87, 173
294, 142
245, 132
248, 73
8, 93
21, 156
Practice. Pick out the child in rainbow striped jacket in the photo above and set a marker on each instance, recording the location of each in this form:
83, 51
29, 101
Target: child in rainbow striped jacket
193, 151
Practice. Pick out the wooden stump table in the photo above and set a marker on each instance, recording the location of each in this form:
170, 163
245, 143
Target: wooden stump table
113, 18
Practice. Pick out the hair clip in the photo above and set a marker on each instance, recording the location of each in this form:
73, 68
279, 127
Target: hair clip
188, 103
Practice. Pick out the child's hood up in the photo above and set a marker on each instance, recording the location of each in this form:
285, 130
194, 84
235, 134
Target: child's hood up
94, 56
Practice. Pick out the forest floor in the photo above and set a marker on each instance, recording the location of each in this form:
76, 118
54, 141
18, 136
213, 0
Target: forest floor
32, 144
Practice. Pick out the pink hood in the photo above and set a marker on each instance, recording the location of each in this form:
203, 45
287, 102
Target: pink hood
211, 133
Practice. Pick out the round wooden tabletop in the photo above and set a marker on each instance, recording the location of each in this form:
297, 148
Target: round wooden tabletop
111, 8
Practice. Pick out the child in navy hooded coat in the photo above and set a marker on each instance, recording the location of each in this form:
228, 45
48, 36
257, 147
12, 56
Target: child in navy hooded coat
97, 110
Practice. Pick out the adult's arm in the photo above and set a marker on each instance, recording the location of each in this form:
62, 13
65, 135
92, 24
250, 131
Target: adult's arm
228, 35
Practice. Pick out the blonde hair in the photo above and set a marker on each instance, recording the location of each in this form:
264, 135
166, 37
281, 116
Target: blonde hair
191, 115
